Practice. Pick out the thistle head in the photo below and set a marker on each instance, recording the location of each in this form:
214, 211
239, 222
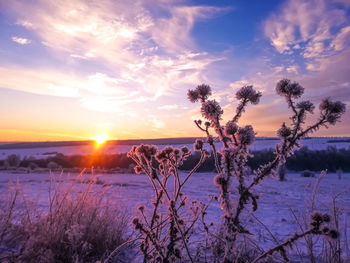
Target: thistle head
248, 93
165, 153
198, 145
148, 151
202, 92
231, 128
211, 110
246, 135
333, 233
332, 106
141, 208
306, 106
284, 131
185, 150
291, 89
219, 180
138, 169
332, 110
192, 95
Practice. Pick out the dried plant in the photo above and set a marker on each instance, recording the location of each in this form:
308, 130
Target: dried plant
80, 225
235, 152
166, 230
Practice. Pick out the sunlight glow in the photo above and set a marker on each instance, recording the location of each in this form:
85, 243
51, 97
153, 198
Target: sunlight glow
100, 139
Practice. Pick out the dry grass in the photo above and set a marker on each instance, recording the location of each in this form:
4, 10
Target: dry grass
80, 225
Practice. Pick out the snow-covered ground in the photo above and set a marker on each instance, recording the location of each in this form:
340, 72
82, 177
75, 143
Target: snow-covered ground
259, 144
275, 204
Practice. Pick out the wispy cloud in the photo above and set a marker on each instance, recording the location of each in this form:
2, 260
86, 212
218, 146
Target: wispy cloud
21, 40
307, 23
24, 23
97, 92
168, 107
318, 31
342, 39
152, 55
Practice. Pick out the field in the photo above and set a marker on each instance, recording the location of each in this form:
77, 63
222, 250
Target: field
284, 206
278, 200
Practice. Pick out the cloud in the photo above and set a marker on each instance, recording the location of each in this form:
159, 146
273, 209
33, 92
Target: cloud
264, 80
292, 69
309, 24
147, 44
342, 39
174, 33
332, 72
330, 80
21, 40
318, 31
155, 123
97, 92
25, 24
168, 107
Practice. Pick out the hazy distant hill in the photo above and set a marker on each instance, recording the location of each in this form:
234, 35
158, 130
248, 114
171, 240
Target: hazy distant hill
163, 141
23, 145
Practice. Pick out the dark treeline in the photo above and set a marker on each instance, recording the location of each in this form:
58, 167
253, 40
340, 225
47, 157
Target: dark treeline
331, 159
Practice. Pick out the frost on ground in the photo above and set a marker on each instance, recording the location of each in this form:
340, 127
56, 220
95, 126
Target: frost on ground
281, 205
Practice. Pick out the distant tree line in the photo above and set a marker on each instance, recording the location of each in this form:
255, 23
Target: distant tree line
331, 159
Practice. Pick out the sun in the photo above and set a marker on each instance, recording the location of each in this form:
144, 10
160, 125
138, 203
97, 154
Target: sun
100, 139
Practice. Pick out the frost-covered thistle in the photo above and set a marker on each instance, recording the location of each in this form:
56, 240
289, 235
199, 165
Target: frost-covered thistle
231, 128
235, 153
165, 230
248, 93
204, 91
246, 135
192, 95
198, 145
287, 88
332, 110
211, 110
284, 131
306, 106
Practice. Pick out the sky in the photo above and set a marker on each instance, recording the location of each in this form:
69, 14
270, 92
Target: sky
73, 69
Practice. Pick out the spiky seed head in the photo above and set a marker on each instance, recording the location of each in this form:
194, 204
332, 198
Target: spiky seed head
334, 234
211, 110
284, 131
246, 135
306, 106
287, 88
231, 128
325, 229
248, 93
193, 95
326, 218
317, 217
185, 150
198, 145
204, 91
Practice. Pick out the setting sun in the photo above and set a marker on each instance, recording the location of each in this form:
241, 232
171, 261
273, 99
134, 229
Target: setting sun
100, 139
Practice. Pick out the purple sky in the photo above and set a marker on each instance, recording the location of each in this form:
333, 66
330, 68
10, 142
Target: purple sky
71, 70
